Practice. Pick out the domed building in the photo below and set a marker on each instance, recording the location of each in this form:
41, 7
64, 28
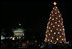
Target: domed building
18, 33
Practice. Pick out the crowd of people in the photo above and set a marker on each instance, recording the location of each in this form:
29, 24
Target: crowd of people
32, 44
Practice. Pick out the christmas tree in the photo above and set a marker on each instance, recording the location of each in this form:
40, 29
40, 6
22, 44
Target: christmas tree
55, 31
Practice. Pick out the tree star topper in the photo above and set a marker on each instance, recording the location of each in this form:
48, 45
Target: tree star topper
54, 3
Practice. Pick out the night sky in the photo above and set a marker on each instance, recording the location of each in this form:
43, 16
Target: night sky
34, 15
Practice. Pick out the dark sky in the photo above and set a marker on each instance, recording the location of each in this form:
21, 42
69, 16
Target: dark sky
34, 15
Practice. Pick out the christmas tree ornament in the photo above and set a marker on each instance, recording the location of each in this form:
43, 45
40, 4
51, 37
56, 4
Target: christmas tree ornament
57, 29
59, 15
58, 32
53, 8
47, 31
50, 30
59, 21
48, 40
49, 34
48, 23
55, 22
55, 12
58, 25
57, 39
63, 29
52, 12
50, 17
56, 18
49, 27
56, 7
54, 33
52, 37
46, 35
62, 39
58, 12
60, 36
53, 19
51, 40
60, 29
53, 26
63, 26
63, 34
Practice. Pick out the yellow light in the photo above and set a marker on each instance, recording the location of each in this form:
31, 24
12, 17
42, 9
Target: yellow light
60, 29
50, 17
59, 16
53, 19
62, 33
58, 25
62, 26
54, 32
50, 30
51, 40
54, 3
57, 39
57, 29
62, 39
60, 36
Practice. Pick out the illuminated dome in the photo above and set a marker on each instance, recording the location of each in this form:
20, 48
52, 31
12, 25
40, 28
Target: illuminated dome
18, 32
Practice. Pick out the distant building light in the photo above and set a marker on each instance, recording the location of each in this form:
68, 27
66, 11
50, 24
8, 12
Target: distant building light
13, 38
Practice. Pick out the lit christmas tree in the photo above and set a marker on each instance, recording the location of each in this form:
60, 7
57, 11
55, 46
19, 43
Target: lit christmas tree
55, 31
